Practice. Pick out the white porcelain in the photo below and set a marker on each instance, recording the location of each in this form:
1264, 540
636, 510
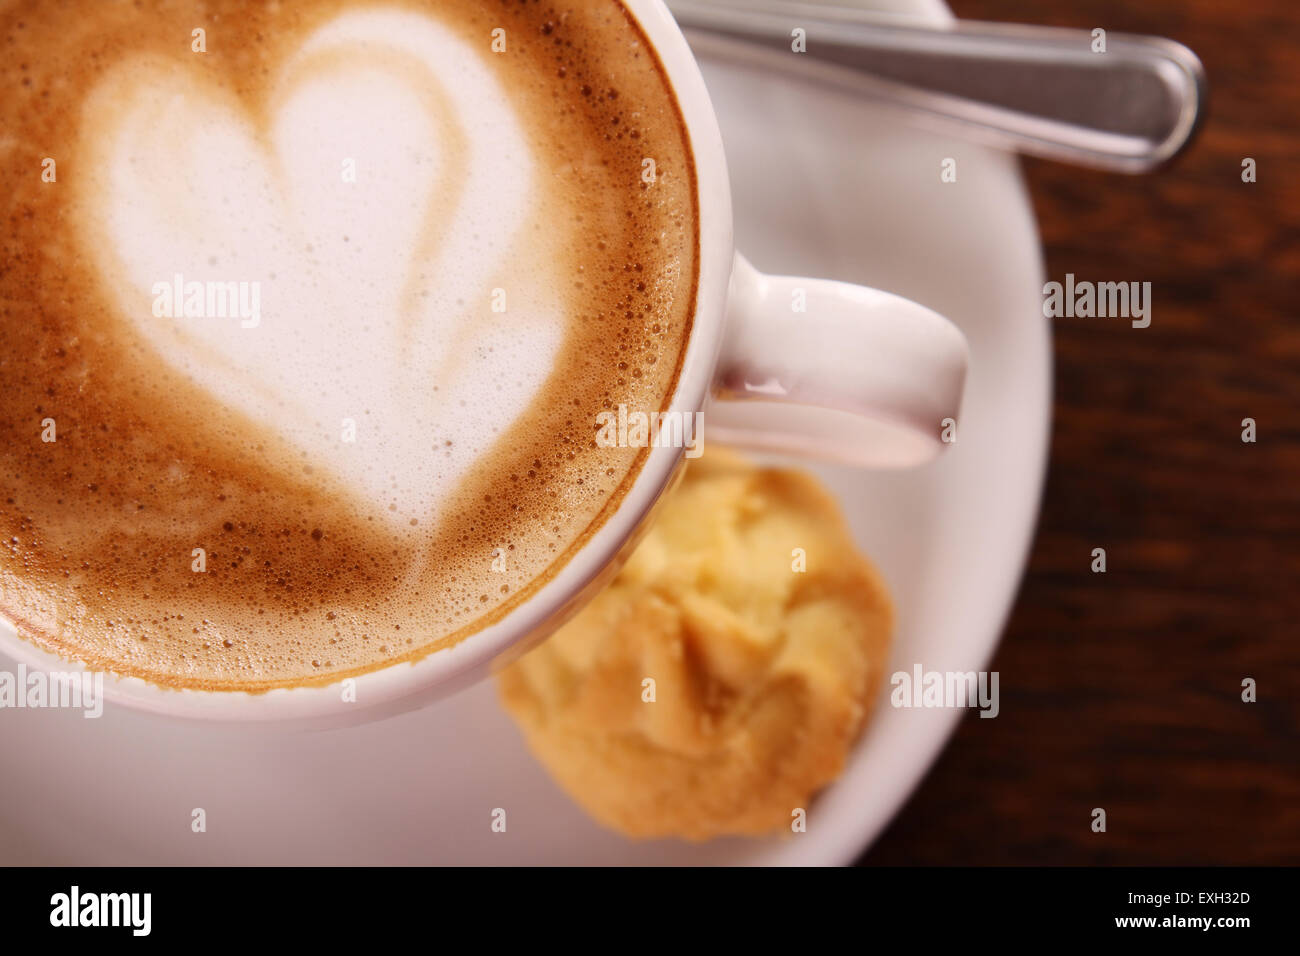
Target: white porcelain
862, 377
894, 370
822, 186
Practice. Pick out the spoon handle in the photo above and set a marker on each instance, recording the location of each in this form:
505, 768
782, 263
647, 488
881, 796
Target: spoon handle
1045, 91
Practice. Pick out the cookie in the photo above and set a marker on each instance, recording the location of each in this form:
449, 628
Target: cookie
722, 677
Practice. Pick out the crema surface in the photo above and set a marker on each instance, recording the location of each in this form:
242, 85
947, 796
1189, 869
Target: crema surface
307, 313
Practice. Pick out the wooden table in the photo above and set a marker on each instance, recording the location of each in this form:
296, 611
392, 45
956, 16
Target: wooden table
1123, 690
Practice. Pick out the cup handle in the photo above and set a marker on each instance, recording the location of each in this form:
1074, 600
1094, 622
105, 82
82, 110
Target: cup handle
834, 371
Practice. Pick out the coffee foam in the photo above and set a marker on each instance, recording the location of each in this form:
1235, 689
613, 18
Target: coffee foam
180, 181
476, 174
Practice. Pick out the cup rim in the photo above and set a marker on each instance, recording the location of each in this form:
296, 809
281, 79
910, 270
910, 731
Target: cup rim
403, 686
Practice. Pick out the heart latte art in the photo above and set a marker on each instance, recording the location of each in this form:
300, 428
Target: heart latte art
308, 313
374, 296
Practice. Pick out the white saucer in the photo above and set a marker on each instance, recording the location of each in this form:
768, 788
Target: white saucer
823, 186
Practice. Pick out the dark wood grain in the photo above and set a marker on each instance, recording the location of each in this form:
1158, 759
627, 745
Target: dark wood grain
1123, 690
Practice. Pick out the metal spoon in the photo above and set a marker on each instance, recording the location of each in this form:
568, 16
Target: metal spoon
1038, 90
